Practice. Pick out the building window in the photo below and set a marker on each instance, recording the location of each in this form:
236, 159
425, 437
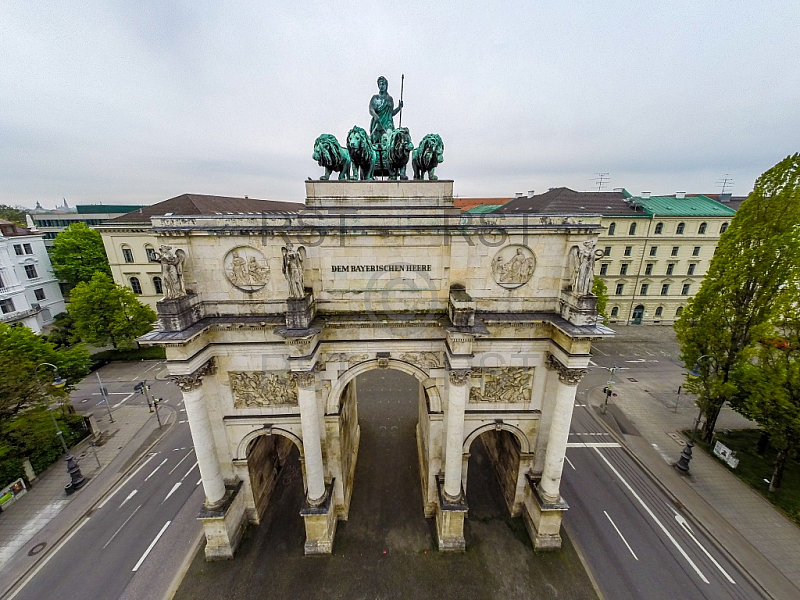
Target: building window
127, 254
30, 271
151, 254
702, 229
643, 291
612, 228
670, 268
653, 250
7, 306
723, 228
665, 289
135, 285
679, 311
675, 250
632, 229
690, 271
615, 311
157, 285
696, 251
681, 227
604, 269
648, 270
623, 269
685, 289
39, 293
28, 249
628, 250
18, 249
620, 287
607, 251
659, 311
659, 228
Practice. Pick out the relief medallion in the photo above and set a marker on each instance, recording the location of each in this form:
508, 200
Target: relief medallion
246, 268
513, 266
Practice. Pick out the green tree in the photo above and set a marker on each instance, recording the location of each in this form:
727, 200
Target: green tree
740, 295
14, 214
769, 389
22, 383
62, 332
78, 254
600, 290
107, 313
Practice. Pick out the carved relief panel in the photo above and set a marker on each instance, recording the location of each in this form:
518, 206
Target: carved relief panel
253, 389
246, 268
502, 384
513, 266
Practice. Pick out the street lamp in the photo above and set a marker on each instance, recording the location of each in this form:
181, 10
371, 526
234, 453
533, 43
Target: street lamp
686, 454
608, 391
77, 480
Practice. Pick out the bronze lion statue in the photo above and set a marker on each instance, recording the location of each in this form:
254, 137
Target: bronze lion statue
362, 153
427, 156
329, 154
397, 147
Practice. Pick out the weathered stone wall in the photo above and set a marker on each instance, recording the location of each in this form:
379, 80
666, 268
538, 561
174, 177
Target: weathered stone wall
503, 450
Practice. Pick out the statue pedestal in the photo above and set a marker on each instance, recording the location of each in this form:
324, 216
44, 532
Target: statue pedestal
300, 311
578, 310
177, 314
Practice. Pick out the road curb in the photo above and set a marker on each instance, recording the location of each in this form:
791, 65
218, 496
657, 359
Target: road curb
696, 520
182, 570
54, 544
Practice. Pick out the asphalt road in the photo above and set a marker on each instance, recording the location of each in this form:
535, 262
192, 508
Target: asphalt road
635, 541
134, 540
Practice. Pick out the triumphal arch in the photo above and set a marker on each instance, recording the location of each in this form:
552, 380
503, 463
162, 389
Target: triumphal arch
270, 318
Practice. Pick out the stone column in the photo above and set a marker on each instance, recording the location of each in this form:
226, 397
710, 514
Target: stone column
559, 428
312, 450
456, 402
204, 447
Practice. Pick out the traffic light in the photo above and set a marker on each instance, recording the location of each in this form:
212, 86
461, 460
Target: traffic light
605, 391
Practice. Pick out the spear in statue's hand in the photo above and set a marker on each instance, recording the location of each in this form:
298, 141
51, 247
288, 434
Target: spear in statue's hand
402, 79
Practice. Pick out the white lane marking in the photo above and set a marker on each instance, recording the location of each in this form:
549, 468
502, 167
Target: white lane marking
614, 525
683, 523
591, 362
131, 495
184, 421
128, 397
172, 491
47, 559
150, 547
153, 472
199, 481
189, 471
165, 401
122, 485
180, 461
570, 463
653, 516
593, 445
110, 393
121, 526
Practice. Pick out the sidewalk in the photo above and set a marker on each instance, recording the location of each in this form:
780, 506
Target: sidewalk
38, 520
758, 537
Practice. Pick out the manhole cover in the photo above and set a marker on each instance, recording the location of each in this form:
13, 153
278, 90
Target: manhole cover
632, 379
37, 548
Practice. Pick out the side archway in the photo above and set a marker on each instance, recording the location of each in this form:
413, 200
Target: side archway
244, 443
524, 444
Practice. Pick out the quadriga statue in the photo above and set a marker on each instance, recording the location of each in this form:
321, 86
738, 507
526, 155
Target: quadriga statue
397, 147
427, 156
363, 154
332, 156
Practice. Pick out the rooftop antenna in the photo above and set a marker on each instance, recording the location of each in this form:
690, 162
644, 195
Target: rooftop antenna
601, 180
725, 182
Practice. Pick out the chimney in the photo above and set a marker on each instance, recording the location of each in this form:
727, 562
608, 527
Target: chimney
645, 195
531, 193
519, 195
680, 194
726, 197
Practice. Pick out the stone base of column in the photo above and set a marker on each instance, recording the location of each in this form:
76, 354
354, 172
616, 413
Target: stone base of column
450, 521
300, 311
320, 522
223, 525
578, 310
542, 518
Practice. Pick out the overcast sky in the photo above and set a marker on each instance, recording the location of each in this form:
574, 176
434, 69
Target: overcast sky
136, 102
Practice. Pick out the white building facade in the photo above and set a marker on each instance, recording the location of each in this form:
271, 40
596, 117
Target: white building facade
29, 292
